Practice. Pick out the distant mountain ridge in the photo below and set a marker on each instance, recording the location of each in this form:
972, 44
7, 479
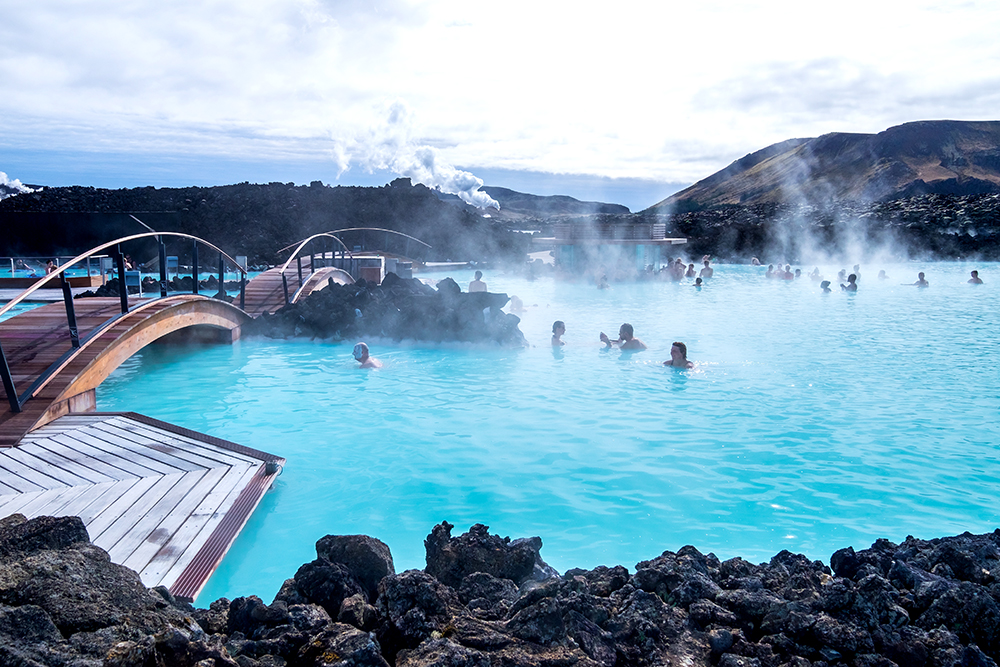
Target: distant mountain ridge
924, 157
523, 207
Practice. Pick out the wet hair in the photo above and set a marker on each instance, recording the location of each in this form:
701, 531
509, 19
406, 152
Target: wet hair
558, 324
682, 347
479, 274
825, 284
627, 328
975, 274
851, 278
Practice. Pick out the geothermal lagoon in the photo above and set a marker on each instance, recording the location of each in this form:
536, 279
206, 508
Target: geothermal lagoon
812, 422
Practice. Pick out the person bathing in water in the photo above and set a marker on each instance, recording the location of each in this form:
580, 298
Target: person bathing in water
679, 356
558, 329
626, 339
852, 284
975, 279
366, 360
921, 281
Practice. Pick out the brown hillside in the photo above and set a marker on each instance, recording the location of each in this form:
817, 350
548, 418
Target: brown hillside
924, 157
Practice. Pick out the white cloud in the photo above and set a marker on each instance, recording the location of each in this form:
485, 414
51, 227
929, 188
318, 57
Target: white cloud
653, 90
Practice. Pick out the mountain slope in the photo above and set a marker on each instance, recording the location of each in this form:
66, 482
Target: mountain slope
923, 157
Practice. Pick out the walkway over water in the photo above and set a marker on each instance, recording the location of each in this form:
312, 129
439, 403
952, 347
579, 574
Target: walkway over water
266, 292
55, 378
164, 501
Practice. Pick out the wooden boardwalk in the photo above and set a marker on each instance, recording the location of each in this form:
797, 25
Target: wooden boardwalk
266, 294
37, 344
162, 500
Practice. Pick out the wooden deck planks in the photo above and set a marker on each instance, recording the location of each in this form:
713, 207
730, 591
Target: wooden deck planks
158, 498
93, 470
164, 530
127, 452
172, 559
187, 444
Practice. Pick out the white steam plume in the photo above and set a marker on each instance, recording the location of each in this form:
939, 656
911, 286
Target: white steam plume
388, 145
9, 188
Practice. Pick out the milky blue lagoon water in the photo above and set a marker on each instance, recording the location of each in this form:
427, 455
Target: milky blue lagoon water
812, 422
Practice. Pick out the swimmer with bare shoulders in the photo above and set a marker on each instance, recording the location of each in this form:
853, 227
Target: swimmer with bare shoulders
975, 279
921, 281
626, 339
679, 356
558, 329
366, 360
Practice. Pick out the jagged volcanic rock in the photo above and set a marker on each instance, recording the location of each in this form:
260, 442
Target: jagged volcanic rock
922, 603
397, 309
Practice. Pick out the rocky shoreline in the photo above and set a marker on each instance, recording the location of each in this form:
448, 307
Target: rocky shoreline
487, 601
399, 309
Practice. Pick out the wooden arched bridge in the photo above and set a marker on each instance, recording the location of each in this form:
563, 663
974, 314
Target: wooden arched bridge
163, 500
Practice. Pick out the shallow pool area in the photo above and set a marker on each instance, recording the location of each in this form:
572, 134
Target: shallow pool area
812, 422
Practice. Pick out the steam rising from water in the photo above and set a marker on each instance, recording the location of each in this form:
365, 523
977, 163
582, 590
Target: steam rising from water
6, 185
389, 145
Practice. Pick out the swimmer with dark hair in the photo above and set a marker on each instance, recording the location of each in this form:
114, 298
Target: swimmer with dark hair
367, 361
558, 329
698, 283
852, 284
921, 281
679, 356
975, 279
626, 339
825, 286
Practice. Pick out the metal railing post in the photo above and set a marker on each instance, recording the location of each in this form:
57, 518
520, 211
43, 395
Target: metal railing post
122, 287
312, 263
243, 290
163, 268
194, 267
74, 332
298, 261
8, 383
222, 278
284, 285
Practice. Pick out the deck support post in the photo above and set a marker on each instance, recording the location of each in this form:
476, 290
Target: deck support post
194, 267
243, 289
122, 287
8, 383
74, 332
298, 262
163, 267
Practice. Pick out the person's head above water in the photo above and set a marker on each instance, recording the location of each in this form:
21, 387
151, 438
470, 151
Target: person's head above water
626, 331
361, 351
558, 327
678, 356
479, 274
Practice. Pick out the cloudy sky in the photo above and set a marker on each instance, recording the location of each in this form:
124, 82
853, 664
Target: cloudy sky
623, 102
